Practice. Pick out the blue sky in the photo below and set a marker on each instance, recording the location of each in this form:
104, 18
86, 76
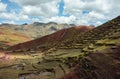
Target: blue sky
79, 12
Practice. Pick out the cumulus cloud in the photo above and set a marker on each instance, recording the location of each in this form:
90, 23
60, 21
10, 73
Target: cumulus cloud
2, 6
61, 19
31, 2
98, 10
80, 12
43, 8
101, 6
9, 21
13, 16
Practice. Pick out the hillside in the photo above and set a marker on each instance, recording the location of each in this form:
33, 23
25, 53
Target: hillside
74, 40
52, 39
36, 29
74, 53
99, 49
103, 64
10, 37
99, 38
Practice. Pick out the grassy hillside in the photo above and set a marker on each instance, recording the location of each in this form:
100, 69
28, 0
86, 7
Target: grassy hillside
103, 64
97, 39
9, 37
90, 54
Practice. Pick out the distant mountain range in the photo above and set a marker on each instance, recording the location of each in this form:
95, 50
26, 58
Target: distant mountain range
36, 29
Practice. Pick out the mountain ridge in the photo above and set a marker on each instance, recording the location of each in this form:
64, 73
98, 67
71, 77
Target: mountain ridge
71, 53
54, 37
36, 29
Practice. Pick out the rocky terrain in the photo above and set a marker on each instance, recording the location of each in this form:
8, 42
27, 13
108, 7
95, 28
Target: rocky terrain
74, 53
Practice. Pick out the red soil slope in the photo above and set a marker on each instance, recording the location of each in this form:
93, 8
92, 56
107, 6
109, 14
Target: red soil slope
52, 38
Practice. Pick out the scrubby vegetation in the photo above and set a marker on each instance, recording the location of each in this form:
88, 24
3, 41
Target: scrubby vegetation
92, 54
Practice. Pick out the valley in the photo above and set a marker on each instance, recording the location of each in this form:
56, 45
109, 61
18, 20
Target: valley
79, 52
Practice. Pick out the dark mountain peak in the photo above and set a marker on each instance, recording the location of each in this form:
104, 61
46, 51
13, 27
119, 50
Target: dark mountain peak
5, 24
51, 23
25, 24
38, 24
72, 25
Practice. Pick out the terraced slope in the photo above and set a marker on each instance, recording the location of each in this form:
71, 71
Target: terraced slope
101, 32
103, 64
101, 57
92, 54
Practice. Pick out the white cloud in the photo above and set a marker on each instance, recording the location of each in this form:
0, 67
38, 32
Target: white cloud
32, 2
102, 6
2, 6
99, 10
96, 15
9, 21
13, 16
44, 8
35, 20
62, 19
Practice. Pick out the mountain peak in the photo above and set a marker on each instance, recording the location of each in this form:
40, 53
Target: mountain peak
38, 24
51, 23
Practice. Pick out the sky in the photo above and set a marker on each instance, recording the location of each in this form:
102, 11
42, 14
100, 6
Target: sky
79, 12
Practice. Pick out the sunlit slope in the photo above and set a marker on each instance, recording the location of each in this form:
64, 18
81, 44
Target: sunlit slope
9, 37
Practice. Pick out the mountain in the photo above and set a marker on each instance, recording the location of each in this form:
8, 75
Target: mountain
99, 48
90, 54
10, 37
74, 53
76, 40
36, 29
53, 38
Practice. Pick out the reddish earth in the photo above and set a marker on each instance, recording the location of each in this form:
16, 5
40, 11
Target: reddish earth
53, 38
83, 28
1, 33
5, 56
99, 65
